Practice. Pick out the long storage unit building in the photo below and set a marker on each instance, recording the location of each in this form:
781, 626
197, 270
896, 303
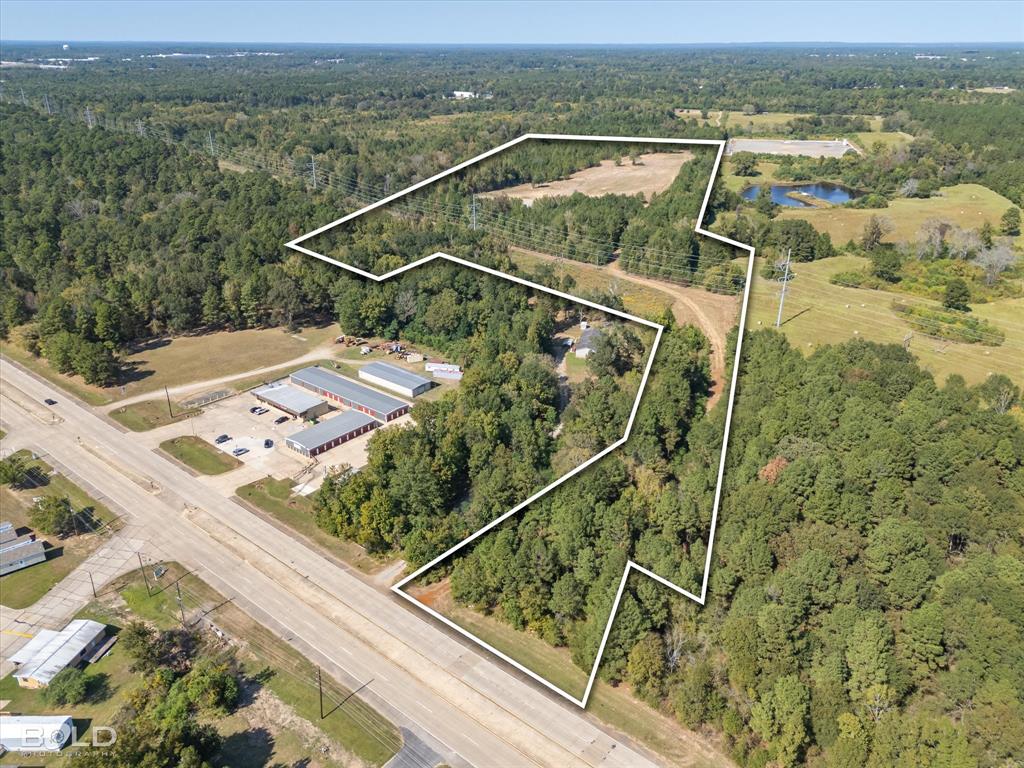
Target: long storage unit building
330, 433
350, 393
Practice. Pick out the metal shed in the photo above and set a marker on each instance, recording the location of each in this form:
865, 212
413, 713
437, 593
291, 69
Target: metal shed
394, 378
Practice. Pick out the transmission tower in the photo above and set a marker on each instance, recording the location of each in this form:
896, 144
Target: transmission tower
46, 101
785, 282
472, 214
89, 119
312, 169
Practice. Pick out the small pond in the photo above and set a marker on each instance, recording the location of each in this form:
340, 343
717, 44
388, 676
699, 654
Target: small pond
836, 194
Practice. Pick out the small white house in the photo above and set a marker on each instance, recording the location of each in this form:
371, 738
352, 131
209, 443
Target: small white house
463, 95
587, 343
35, 733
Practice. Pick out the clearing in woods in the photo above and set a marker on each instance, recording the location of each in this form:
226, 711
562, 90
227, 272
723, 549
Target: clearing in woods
653, 173
713, 313
817, 313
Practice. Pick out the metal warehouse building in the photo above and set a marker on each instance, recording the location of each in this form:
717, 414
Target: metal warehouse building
328, 434
35, 733
292, 400
394, 378
46, 654
347, 392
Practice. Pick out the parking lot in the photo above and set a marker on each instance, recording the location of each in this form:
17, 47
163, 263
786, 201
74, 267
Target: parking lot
248, 430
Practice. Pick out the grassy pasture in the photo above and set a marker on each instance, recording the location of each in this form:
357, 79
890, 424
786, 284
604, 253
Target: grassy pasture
966, 205
888, 139
818, 313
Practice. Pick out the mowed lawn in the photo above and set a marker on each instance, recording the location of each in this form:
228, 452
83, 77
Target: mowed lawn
200, 455
817, 313
966, 205
150, 414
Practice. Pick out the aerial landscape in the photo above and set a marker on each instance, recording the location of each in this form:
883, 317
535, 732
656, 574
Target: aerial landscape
393, 394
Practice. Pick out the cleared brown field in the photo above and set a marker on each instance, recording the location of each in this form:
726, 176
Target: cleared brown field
655, 173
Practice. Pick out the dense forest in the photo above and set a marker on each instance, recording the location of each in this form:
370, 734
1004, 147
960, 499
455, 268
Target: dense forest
867, 586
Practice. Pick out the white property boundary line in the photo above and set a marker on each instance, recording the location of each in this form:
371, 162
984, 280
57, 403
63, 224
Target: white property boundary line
630, 565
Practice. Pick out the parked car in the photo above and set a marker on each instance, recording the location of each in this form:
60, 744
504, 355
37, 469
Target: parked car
254, 409
50, 401
280, 419
268, 443
239, 451
261, 411
222, 439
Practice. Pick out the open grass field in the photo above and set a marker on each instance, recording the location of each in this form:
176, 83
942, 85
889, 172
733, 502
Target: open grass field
150, 414
180, 360
767, 122
614, 706
887, 139
184, 359
655, 173
275, 498
966, 205
818, 313
200, 455
766, 175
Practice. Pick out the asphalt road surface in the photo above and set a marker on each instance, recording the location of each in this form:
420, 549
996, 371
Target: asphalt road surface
461, 703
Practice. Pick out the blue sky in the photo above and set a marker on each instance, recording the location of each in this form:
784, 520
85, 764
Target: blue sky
511, 22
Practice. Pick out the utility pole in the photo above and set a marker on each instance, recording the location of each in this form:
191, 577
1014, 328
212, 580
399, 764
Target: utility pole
181, 605
472, 214
168, 396
46, 101
145, 578
93, 584
312, 168
785, 282
209, 139
320, 687
139, 127
387, 183
24, 101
